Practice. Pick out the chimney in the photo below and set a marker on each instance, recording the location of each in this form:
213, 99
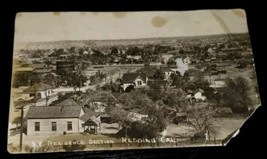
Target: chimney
61, 109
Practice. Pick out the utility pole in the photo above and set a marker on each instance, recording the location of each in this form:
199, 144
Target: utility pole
21, 127
34, 94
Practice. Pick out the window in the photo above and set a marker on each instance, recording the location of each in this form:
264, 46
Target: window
54, 126
37, 126
69, 125
139, 83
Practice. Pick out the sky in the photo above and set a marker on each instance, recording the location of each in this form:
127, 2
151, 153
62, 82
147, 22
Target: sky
55, 26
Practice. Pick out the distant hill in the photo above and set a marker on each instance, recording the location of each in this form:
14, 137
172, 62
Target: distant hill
90, 43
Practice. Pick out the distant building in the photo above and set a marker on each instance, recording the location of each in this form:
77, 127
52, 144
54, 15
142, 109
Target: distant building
167, 71
134, 79
187, 60
65, 66
41, 90
196, 95
218, 83
135, 57
41, 68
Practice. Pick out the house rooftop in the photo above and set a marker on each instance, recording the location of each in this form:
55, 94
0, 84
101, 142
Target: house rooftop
47, 112
130, 77
37, 87
88, 114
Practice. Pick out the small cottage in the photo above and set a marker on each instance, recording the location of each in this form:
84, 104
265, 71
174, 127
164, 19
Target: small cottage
134, 79
41, 90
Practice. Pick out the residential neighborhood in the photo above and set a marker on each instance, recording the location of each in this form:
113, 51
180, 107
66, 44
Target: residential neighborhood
154, 90
130, 86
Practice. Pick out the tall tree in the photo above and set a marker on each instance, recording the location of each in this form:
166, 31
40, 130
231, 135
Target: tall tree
237, 95
200, 117
158, 75
174, 98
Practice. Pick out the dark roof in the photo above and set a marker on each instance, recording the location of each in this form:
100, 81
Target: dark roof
37, 87
130, 77
88, 114
68, 102
46, 112
91, 122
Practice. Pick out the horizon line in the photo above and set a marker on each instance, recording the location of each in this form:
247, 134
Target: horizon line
133, 38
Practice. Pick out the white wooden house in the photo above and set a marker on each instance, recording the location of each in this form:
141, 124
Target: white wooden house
60, 119
41, 90
135, 79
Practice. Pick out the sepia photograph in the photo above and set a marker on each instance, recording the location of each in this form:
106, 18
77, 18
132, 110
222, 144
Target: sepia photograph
90, 81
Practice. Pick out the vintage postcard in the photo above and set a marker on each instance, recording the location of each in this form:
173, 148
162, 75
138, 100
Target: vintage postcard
86, 81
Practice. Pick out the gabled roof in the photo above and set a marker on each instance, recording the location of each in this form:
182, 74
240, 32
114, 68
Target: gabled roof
68, 102
130, 77
88, 114
93, 121
47, 112
37, 87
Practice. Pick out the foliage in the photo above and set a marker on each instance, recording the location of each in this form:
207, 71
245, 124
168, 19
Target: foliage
62, 97
51, 79
113, 87
200, 117
100, 96
146, 127
25, 79
154, 92
237, 95
134, 99
174, 98
149, 127
97, 78
158, 75
74, 79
